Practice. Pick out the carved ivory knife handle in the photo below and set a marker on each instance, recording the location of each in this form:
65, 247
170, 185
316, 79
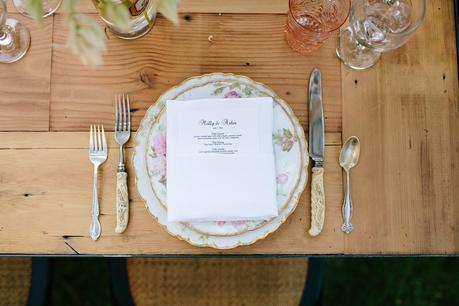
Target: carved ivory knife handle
317, 201
122, 202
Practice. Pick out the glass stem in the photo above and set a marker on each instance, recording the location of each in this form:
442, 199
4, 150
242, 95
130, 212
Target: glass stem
5, 38
360, 46
390, 2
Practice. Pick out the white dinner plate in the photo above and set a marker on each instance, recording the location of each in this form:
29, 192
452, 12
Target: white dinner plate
149, 160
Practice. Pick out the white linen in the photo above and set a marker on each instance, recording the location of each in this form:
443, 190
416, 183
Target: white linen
220, 160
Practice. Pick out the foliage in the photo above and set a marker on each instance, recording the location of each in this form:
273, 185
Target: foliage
35, 9
86, 38
392, 281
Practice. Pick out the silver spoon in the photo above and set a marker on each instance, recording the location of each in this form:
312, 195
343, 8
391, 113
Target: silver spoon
348, 158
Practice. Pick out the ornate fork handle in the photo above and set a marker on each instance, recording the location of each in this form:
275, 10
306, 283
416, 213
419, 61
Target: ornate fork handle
122, 135
94, 228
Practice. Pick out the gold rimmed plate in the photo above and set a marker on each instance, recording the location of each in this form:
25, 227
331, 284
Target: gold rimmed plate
285, 143
150, 161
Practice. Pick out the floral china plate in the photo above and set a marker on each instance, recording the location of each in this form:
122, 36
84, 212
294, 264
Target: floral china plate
149, 159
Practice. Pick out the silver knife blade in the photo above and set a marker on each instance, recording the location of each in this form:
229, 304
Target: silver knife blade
316, 119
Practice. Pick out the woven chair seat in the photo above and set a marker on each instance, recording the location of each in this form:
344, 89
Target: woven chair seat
15, 280
215, 282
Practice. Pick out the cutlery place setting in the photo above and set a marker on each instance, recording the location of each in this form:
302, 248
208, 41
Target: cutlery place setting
122, 135
257, 134
348, 159
98, 153
226, 146
222, 161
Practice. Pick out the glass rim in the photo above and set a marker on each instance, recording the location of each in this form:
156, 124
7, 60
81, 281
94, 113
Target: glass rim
328, 31
410, 30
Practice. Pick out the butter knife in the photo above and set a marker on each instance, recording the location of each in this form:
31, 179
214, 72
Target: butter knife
316, 151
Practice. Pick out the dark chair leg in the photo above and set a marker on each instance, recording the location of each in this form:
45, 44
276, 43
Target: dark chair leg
313, 287
121, 294
39, 286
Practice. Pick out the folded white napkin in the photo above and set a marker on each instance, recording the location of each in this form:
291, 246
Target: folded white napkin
220, 160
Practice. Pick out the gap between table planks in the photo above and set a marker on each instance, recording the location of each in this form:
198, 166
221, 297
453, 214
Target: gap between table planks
251, 45
25, 85
40, 218
71, 96
81, 97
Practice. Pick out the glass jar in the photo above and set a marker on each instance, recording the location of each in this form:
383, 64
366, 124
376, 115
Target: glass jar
142, 16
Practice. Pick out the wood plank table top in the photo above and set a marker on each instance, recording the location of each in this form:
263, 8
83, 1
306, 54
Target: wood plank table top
405, 111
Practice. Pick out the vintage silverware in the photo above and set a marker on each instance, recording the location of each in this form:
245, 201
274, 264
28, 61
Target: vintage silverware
348, 158
98, 152
122, 135
316, 151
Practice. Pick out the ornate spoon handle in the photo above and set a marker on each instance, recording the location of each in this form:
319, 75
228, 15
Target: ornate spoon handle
347, 208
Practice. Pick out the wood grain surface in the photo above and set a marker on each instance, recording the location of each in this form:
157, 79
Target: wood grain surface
250, 45
25, 85
404, 110
46, 200
406, 113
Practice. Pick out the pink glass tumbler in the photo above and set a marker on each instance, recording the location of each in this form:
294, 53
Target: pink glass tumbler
311, 22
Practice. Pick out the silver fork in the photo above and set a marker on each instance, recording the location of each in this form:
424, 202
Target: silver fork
122, 134
97, 155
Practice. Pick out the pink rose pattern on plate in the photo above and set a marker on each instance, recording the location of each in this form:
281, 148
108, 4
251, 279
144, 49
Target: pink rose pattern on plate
283, 138
232, 94
158, 154
159, 144
282, 178
236, 90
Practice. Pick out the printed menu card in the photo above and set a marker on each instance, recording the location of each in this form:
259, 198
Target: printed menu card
220, 160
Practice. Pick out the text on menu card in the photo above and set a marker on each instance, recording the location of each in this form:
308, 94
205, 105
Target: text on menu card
228, 132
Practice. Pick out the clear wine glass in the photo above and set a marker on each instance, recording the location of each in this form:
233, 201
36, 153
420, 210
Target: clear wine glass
14, 37
377, 26
49, 7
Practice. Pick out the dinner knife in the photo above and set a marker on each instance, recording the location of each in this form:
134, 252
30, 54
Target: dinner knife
316, 151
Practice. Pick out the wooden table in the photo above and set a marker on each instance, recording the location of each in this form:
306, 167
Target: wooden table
405, 111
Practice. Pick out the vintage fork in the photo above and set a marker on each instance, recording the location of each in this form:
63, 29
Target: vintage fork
97, 155
122, 134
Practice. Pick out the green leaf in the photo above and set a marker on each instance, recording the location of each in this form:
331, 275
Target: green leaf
126, 3
85, 37
247, 91
218, 91
235, 85
168, 8
118, 13
35, 9
287, 133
